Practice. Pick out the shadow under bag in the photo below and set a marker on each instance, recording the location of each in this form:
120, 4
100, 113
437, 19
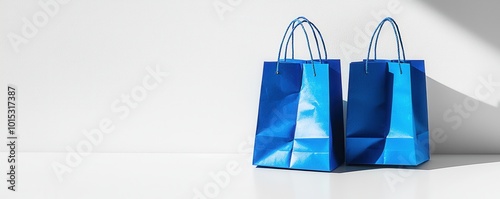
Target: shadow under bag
300, 120
387, 121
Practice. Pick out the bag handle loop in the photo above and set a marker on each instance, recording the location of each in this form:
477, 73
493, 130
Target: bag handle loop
293, 25
314, 29
399, 42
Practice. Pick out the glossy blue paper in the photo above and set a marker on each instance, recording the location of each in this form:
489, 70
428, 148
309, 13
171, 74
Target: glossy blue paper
300, 121
387, 120
295, 127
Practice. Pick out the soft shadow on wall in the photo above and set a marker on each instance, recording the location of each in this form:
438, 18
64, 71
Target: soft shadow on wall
480, 17
460, 124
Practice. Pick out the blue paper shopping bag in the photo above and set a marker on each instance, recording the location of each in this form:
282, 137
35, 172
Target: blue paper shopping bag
387, 121
300, 120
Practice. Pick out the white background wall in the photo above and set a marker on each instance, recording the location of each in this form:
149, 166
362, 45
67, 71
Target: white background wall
86, 55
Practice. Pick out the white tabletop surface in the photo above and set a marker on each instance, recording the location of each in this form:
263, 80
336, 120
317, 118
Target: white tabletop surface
159, 175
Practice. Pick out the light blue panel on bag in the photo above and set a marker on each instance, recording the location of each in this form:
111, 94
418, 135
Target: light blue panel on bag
313, 137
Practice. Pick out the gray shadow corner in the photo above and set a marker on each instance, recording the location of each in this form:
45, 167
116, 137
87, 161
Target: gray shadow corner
441, 161
480, 17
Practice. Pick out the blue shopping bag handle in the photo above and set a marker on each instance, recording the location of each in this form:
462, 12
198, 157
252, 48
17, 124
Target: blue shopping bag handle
313, 28
293, 26
399, 41
399, 36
